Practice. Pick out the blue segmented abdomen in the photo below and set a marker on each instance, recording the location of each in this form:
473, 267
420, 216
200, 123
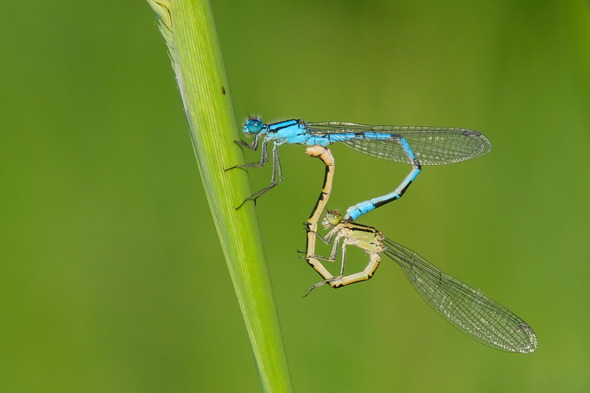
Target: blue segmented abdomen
324, 140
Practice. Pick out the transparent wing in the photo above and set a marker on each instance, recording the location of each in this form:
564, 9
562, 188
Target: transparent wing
468, 310
431, 145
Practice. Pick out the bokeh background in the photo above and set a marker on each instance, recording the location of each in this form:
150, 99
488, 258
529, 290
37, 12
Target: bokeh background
112, 277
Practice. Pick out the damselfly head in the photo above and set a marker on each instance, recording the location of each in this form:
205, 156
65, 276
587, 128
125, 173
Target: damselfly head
332, 218
252, 125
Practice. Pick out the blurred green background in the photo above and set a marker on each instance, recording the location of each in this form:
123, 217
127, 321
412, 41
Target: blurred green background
112, 276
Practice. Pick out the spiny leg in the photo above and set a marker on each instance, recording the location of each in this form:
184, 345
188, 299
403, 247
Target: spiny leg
253, 146
332, 280
276, 168
314, 286
343, 259
331, 236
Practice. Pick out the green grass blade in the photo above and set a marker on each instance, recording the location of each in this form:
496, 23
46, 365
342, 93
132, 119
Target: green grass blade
189, 31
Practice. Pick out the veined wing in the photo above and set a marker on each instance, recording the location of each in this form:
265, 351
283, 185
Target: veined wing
430, 145
468, 310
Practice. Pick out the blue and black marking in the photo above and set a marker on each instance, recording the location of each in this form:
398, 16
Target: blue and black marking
416, 146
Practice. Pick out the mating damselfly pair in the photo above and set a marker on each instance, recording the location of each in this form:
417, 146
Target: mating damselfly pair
467, 309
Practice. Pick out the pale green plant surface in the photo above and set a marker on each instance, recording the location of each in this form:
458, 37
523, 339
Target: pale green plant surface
189, 32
